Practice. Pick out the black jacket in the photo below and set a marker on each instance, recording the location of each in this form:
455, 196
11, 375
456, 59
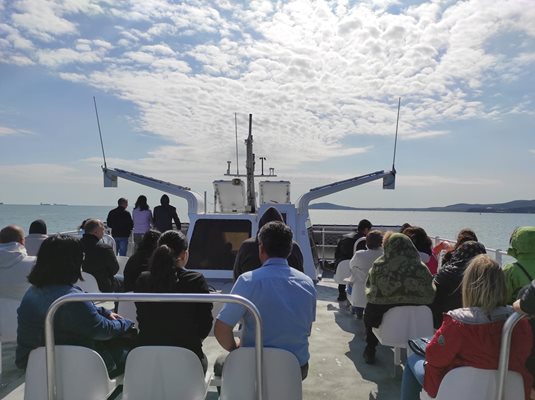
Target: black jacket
164, 216
100, 262
248, 257
344, 247
120, 222
136, 264
527, 299
175, 324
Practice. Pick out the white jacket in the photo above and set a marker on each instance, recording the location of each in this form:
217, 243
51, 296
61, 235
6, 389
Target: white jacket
360, 264
15, 265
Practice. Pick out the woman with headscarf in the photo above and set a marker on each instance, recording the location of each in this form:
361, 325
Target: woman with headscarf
397, 278
36, 236
448, 280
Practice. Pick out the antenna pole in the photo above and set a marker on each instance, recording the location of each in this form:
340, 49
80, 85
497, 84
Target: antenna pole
236, 130
100, 133
396, 139
250, 168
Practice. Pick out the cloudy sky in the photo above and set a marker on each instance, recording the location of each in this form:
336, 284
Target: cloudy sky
321, 78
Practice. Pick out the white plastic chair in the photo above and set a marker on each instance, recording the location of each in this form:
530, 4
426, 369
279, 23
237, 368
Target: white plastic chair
401, 324
89, 284
127, 309
122, 260
282, 375
164, 373
343, 271
80, 374
468, 383
8, 322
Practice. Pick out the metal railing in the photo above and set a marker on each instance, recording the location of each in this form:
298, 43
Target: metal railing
503, 365
498, 253
148, 297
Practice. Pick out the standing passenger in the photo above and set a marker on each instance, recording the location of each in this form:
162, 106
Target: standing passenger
142, 217
121, 224
164, 216
173, 324
37, 234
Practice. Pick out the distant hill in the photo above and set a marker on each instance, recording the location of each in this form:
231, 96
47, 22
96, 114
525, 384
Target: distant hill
515, 207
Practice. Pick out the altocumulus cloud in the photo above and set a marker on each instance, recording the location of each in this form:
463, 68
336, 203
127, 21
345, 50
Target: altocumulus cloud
314, 73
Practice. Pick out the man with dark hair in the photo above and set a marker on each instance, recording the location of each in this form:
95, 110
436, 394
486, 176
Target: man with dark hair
99, 259
164, 215
248, 259
121, 224
345, 249
15, 264
285, 298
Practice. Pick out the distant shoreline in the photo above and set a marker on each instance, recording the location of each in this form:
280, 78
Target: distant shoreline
515, 207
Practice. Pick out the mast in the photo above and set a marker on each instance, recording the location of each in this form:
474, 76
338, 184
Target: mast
250, 164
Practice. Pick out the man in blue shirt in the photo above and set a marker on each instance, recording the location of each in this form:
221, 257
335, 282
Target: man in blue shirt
285, 298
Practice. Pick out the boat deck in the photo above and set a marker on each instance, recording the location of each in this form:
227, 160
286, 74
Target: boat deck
337, 369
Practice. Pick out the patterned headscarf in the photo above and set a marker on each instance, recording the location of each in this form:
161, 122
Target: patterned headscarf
399, 277
465, 252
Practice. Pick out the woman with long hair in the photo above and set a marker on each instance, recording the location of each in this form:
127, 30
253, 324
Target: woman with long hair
139, 261
470, 336
173, 324
54, 275
142, 218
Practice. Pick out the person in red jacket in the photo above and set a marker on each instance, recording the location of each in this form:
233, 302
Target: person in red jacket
470, 336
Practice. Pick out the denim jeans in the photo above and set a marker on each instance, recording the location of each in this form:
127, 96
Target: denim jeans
122, 245
413, 378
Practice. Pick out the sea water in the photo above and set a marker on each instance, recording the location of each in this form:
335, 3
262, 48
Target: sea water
493, 230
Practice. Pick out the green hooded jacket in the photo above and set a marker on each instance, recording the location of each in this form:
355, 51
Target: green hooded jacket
399, 276
522, 247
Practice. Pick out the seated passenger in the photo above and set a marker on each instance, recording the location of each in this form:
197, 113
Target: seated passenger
285, 298
344, 250
139, 261
80, 323
470, 336
173, 324
526, 304
423, 244
360, 264
248, 259
37, 234
15, 264
464, 235
398, 278
99, 258
448, 280
521, 272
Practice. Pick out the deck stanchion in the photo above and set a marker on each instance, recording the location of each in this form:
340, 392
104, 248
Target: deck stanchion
503, 365
155, 298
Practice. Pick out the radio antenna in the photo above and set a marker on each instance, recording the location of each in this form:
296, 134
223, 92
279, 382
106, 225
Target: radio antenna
236, 130
100, 133
396, 139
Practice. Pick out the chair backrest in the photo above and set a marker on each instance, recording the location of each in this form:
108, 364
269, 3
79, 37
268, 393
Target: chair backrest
8, 319
122, 260
357, 242
468, 383
343, 271
89, 284
403, 323
81, 374
127, 309
281, 375
163, 373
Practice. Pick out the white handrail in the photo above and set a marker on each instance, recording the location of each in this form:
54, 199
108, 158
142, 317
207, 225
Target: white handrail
148, 297
503, 365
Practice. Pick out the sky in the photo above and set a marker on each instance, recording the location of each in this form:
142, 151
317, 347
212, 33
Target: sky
321, 78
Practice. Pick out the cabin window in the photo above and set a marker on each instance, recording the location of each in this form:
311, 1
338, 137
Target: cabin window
215, 243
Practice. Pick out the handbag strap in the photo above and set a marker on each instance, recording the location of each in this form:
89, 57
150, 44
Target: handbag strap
524, 270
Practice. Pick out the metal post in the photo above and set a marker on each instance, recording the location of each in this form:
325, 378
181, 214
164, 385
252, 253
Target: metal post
323, 243
498, 256
148, 297
503, 365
